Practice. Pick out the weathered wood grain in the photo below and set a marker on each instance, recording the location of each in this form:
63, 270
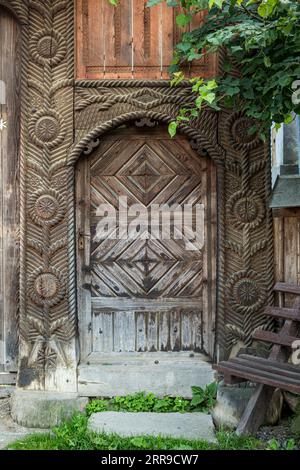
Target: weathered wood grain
130, 40
10, 43
147, 294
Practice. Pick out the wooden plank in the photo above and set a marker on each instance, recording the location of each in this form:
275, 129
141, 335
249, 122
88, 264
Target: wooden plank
118, 39
80, 65
82, 178
146, 40
290, 258
96, 35
144, 304
152, 331
278, 248
164, 331
270, 337
167, 43
287, 288
175, 330
103, 332
141, 332
265, 365
10, 44
271, 363
191, 330
259, 402
124, 331
263, 377
285, 313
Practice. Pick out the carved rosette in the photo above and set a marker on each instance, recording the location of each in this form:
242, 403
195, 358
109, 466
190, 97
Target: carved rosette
46, 286
46, 207
246, 209
47, 46
46, 129
239, 132
246, 292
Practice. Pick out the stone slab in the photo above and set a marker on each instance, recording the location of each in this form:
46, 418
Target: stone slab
45, 410
159, 373
178, 425
11, 432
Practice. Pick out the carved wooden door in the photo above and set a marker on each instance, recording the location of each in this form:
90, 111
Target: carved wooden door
146, 293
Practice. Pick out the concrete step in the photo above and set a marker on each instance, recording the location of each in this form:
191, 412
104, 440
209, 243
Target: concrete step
163, 374
192, 426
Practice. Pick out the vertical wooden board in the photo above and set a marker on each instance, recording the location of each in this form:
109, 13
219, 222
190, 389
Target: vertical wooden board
212, 281
290, 237
152, 330
10, 44
167, 18
124, 332
278, 224
118, 39
175, 330
191, 330
80, 66
103, 332
96, 33
141, 331
197, 65
178, 31
83, 255
205, 189
146, 40
164, 331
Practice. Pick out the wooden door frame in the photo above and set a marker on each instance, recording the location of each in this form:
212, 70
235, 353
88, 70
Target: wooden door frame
9, 171
83, 238
222, 138
245, 237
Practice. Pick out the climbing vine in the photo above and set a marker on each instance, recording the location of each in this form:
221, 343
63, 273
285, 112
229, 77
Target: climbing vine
261, 72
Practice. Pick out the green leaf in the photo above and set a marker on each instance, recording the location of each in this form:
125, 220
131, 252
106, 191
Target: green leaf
267, 62
183, 20
172, 128
210, 97
288, 119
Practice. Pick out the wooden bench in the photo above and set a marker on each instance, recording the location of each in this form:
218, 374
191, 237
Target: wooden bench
272, 372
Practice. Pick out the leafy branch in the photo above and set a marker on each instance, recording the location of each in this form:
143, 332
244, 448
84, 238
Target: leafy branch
261, 73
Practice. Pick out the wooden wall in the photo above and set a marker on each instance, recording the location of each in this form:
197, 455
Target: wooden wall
9, 192
287, 246
130, 40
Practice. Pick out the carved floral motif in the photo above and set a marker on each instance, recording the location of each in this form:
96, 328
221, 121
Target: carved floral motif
48, 46
46, 286
46, 207
46, 129
241, 135
246, 291
246, 209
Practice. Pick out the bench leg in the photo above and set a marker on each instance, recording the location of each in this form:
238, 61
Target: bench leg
255, 412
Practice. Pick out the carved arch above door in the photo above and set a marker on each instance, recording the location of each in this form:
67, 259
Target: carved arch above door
245, 249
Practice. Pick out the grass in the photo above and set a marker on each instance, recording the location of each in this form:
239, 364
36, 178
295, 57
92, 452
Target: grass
73, 435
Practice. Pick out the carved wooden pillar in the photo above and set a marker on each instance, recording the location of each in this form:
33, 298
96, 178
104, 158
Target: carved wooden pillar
47, 358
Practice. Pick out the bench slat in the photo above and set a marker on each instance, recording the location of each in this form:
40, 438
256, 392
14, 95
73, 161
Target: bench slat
284, 365
265, 365
254, 375
287, 288
275, 338
285, 313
